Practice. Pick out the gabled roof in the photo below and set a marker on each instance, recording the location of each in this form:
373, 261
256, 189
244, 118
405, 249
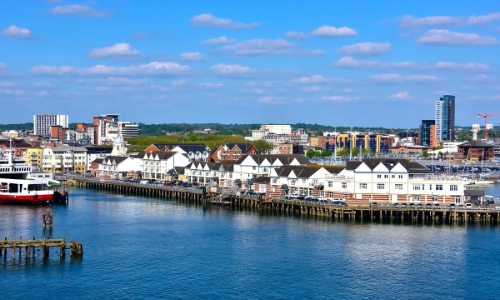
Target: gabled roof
303, 171
185, 147
244, 147
97, 161
389, 163
117, 159
285, 159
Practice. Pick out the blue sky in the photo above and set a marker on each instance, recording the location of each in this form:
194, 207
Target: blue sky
339, 63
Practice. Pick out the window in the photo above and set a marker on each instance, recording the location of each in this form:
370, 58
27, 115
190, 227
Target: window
458, 199
400, 176
439, 187
423, 186
434, 198
430, 187
254, 168
330, 184
416, 187
344, 185
453, 187
292, 182
363, 186
379, 176
398, 186
393, 176
386, 176
380, 186
416, 198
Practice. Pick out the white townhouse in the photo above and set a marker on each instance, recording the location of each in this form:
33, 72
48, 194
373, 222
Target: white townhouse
393, 181
158, 165
117, 167
202, 172
300, 180
251, 167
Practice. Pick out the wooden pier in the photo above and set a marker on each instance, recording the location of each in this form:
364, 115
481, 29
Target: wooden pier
414, 214
30, 248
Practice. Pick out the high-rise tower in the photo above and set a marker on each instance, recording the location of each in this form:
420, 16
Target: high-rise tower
445, 118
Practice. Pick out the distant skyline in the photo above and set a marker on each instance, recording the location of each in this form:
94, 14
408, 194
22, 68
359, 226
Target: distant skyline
349, 63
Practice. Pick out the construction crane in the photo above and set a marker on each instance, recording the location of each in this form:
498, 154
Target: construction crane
485, 116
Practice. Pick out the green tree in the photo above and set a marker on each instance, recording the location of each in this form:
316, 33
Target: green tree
425, 154
263, 146
310, 153
319, 133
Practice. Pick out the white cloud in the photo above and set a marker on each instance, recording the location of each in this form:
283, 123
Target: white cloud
81, 10
351, 63
103, 89
271, 100
397, 78
481, 78
223, 69
296, 35
114, 81
216, 41
348, 90
117, 51
180, 82
268, 47
44, 85
436, 21
11, 92
450, 38
208, 20
153, 68
7, 84
4, 70
311, 89
192, 56
401, 95
329, 31
337, 98
208, 85
320, 79
364, 49
16, 32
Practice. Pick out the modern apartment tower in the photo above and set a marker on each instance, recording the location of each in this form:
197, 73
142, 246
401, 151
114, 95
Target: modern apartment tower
427, 133
42, 123
445, 118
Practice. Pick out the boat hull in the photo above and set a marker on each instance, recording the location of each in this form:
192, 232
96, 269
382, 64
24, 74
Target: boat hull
20, 199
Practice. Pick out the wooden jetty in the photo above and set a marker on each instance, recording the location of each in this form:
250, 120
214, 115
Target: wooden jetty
442, 214
30, 246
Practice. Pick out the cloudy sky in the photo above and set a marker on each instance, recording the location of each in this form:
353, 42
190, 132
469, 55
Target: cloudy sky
339, 63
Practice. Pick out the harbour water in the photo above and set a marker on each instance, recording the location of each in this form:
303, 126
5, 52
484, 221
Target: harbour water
143, 248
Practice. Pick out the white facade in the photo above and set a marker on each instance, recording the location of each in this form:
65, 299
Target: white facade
395, 185
157, 165
277, 129
42, 123
439, 120
64, 159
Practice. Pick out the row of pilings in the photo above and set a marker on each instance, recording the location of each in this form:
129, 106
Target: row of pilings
442, 215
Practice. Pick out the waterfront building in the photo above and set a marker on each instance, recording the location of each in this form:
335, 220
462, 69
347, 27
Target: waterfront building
195, 152
159, 164
106, 128
64, 159
233, 151
307, 181
33, 157
393, 181
476, 151
42, 123
445, 118
94, 153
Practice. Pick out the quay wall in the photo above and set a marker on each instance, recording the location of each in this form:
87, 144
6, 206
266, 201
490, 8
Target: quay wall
360, 212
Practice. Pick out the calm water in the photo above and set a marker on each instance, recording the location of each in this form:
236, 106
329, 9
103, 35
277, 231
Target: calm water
147, 248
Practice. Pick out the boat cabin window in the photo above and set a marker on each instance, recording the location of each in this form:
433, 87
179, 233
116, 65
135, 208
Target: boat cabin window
37, 187
14, 188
